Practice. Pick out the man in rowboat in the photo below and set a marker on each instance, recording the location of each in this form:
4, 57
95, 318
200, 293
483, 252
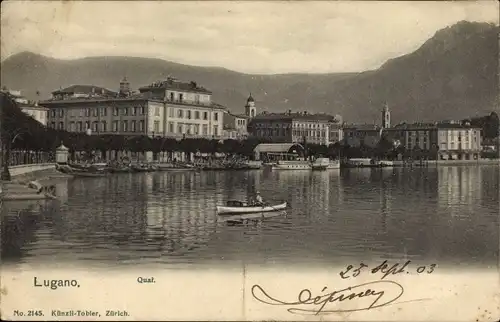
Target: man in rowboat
258, 199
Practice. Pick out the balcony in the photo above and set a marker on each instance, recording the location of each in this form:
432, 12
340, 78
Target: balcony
189, 103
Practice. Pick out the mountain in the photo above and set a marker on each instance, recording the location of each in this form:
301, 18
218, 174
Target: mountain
453, 75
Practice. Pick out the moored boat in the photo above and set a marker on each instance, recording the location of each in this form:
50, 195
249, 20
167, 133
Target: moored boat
87, 174
366, 163
292, 165
238, 207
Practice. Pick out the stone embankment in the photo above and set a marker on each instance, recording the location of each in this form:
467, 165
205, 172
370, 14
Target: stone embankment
18, 188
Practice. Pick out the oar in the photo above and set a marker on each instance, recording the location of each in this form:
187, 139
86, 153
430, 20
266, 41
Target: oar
268, 205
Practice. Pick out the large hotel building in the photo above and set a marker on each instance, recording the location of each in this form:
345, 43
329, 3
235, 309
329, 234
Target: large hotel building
169, 108
296, 128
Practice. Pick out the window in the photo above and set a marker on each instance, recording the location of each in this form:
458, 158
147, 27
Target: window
94, 127
115, 111
142, 110
134, 110
125, 126
61, 112
156, 126
179, 128
87, 125
157, 111
87, 112
197, 115
197, 129
104, 111
115, 126
141, 126
171, 111
171, 127
205, 115
188, 115
61, 126
53, 125
180, 113
205, 129
79, 126
103, 126
197, 99
95, 111
72, 126
132, 126
216, 130
125, 111
216, 116
172, 96
181, 96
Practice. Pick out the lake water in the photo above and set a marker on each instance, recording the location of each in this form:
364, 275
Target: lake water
445, 214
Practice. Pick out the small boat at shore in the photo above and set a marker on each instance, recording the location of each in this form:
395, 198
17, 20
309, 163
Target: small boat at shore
175, 167
87, 174
238, 207
366, 163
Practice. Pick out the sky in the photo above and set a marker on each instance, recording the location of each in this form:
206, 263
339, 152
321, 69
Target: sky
254, 37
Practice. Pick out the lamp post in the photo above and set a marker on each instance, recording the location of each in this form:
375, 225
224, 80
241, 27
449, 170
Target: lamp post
88, 132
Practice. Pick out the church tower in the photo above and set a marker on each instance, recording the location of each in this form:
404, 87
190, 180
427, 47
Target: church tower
250, 109
124, 87
386, 117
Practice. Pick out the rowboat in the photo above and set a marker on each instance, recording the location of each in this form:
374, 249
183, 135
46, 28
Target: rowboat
237, 207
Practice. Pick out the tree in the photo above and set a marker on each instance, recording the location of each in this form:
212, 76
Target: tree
384, 146
334, 150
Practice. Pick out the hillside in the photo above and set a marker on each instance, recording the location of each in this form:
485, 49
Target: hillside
453, 75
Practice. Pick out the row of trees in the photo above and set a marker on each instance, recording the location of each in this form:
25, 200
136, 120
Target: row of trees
490, 125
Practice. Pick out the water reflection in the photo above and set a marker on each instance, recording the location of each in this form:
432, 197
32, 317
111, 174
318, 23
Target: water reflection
446, 213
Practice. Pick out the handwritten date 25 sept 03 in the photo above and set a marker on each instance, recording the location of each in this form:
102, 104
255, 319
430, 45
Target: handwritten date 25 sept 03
386, 269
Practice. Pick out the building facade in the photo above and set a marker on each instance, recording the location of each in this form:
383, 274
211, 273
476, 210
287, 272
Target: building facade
295, 128
444, 141
168, 108
236, 125
458, 141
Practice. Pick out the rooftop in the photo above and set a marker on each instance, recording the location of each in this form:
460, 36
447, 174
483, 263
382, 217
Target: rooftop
294, 116
96, 99
362, 127
241, 116
174, 84
279, 147
85, 89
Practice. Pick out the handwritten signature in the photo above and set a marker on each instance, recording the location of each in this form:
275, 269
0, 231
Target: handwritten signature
386, 293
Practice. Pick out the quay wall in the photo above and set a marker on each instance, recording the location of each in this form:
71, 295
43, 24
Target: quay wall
19, 170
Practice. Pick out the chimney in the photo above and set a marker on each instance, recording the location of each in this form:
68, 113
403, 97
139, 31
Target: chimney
305, 112
289, 112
